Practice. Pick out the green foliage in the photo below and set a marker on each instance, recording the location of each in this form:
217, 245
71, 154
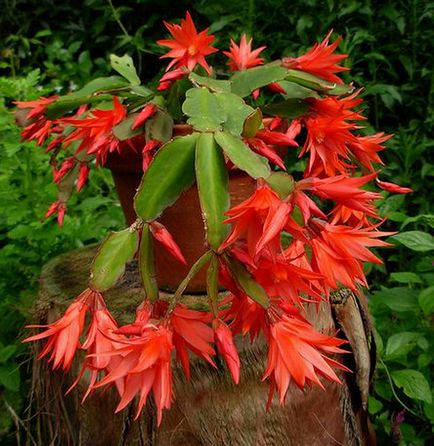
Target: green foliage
390, 47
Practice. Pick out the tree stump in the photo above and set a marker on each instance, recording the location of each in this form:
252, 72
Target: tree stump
210, 409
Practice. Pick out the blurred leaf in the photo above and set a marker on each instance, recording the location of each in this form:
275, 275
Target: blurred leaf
125, 67
406, 277
413, 383
415, 240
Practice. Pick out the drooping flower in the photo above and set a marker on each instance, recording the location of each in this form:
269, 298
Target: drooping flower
297, 352
95, 132
243, 57
161, 234
393, 188
101, 340
188, 47
284, 280
345, 191
191, 332
319, 60
147, 112
226, 347
338, 252
366, 148
66, 167
170, 77
83, 175
59, 208
259, 219
37, 126
145, 365
63, 336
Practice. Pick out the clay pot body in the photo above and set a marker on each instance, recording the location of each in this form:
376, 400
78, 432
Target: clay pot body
183, 219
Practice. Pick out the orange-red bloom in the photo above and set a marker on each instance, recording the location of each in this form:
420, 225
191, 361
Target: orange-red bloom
145, 364
63, 336
243, 57
259, 219
59, 208
188, 47
393, 188
96, 131
319, 60
345, 191
296, 351
39, 128
147, 112
226, 347
161, 234
338, 252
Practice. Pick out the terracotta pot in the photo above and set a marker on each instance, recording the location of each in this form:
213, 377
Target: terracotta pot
183, 219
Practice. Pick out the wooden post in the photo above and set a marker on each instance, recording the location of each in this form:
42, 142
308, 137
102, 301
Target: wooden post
210, 409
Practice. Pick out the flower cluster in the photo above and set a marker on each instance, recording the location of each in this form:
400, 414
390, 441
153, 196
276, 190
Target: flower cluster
286, 247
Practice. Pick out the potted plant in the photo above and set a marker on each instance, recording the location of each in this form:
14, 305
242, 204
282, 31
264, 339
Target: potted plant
206, 169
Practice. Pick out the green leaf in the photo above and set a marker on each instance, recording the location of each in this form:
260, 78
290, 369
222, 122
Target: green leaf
400, 344
123, 130
247, 283
147, 265
7, 352
290, 108
113, 254
125, 67
219, 86
426, 300
100, 84
244, 82
169, 174
316, 83
252, 123
374, 405
212, 182
236, 111
296, 91
413, 383
203, 109
415, 240
241, 155
141, 90
281, 183
160, 126
406, 277
10, 377
399, 299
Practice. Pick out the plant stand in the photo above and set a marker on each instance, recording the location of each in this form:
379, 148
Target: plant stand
209, 410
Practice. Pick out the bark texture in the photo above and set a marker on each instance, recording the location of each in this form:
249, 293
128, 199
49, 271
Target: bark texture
210, 409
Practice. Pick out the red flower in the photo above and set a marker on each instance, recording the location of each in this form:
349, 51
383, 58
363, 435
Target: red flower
243, 57
66, 167
161, 234
188, 47
100, 340
259, 219
227, 348
283, 280
319, 60
63, 336
191, 332
170, 77
345, 191
83, 174
144, 365
38, 127
393, 188
59, 208
366, 148
296, 351
96, 131
338, 252
147, 112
